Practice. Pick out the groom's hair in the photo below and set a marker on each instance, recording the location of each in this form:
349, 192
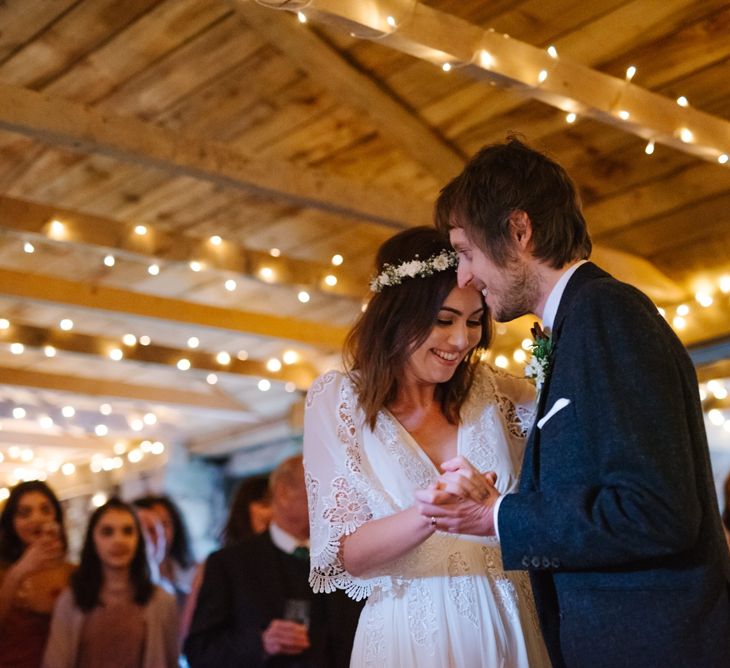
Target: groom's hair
505, 178
397, 320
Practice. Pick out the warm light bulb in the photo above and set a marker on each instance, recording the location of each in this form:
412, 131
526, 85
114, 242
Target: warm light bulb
223, 357
486, 59
519, 356
153, 269
682, 101
273, 365
109, 260
68, 411
630, 72
679, 322
17, 348
686, 135
49, 351
183, 364
144, 340
303, 296
149, 418
136, 424
722, 158
571, 117
193, 342
45, 421
274, 252
552, 51
527, 344
301, 16
56, 229
116, 354
290, 387
4, 323
716, 417
68, 469
264, 385
101, 430
195, 265
290, 357
129, 339
242, 355
28, 247
649, 149
501, 361
704, 299
141, 230
391, 21
337, 260
542, 76
624, 115
331, 280
211, 379
230, 285
446, 67
66, 324
215, 240
725, 284
683, 310
266, 273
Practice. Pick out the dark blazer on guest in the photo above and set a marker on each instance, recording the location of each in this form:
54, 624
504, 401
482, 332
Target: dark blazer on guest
616, 516
244, 588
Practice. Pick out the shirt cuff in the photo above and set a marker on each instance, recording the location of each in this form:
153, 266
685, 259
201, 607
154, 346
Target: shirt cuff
495, 515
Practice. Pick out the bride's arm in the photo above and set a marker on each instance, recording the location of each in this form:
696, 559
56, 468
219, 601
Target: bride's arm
379, 542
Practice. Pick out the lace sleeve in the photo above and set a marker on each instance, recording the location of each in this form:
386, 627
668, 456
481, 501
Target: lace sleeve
516, 401
333, 468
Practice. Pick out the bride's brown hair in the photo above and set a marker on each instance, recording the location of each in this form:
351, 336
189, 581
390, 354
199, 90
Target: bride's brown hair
399, 319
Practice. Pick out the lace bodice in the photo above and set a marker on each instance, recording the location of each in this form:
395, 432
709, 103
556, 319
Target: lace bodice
355, 474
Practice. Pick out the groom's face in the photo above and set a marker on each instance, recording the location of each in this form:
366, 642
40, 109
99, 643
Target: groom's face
510, 290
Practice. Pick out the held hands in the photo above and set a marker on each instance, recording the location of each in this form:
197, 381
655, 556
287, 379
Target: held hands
462, 499
285, 637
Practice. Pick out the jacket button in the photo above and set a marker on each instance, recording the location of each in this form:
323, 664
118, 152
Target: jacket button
536, 562
556, 562
526, 562
545, 562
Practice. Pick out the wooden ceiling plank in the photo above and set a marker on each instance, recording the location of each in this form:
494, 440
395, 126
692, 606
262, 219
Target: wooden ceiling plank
57, 290
325, 64
442, 38
77, 32
21, 21
87, 130
94, 387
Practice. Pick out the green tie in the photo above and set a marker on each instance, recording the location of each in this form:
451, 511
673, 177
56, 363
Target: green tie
301, 552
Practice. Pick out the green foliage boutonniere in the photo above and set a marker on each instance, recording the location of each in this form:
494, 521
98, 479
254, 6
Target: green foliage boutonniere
542, 349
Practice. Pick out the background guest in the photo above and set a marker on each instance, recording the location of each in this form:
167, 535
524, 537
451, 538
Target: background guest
32, 571
255, 606
113, 615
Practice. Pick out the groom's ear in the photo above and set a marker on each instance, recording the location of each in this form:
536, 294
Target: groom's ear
520, 229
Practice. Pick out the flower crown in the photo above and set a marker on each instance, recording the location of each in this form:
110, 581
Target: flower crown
394, 274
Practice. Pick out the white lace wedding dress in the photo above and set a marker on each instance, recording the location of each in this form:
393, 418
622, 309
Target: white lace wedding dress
447, 603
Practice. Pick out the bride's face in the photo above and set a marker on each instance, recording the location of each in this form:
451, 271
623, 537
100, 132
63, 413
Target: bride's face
456, 331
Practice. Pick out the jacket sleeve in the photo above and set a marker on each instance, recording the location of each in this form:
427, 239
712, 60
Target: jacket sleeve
215, 640
629, 491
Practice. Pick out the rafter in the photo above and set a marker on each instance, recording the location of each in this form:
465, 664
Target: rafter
43, 439
301, 374
442, 38
58, 290
94, 387
84, 129
160, 246
326, 65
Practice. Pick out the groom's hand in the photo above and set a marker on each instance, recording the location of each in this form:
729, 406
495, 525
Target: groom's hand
462, 499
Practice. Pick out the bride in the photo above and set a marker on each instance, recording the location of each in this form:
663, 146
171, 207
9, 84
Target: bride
415, 394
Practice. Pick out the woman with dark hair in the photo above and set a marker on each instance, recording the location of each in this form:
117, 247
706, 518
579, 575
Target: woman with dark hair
32, 571
113, 614
250, 511
416, 393
176, 565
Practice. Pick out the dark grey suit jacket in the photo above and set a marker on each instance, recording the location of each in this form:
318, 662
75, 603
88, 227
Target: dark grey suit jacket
616, 517
244, 588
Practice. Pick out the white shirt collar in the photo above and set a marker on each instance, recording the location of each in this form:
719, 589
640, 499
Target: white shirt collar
284, 540
556, 294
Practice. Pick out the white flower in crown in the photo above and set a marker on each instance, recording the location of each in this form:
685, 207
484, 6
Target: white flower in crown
416, 268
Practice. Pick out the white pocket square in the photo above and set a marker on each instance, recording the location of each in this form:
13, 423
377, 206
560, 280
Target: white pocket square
557, 406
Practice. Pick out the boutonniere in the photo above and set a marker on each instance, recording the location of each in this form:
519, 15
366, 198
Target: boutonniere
542, 350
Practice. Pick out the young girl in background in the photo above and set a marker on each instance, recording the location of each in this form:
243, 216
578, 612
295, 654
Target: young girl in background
33, 572
112, 615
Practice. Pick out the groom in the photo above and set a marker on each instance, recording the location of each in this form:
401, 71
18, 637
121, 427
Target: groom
615, 518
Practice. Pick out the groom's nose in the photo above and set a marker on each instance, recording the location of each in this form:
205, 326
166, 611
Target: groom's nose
463, 274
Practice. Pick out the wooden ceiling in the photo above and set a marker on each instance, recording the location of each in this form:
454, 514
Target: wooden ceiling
139, 138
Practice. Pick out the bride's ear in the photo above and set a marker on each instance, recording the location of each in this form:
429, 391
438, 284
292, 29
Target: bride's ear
520, 229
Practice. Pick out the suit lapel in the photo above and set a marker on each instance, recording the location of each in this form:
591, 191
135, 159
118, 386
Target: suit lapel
531, 464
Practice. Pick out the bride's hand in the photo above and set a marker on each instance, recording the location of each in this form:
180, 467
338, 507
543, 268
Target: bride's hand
462, 480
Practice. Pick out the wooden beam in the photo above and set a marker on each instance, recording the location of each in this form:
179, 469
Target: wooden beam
301, 374
442, 38
158, 246
326, 65
87, 130
169, 396
58, 290
43, 439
